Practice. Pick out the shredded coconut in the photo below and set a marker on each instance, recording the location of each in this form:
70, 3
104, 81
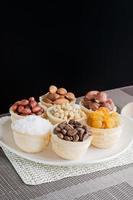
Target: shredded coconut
32, 125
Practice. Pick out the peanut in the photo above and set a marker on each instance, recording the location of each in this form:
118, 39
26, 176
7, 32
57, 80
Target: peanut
14, 107
26, 111
36, 109
24, 102
20, 109
33, 103
31, 99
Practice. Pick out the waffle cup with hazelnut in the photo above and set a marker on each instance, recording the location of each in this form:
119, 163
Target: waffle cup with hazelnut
26, 107
64, 112
56, 96
70, 140
105, 126
93, 100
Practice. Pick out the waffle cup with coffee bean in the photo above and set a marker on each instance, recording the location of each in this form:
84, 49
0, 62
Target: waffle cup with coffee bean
105, 126
64, 112
70, 140
93, 100
26, 107
56, 96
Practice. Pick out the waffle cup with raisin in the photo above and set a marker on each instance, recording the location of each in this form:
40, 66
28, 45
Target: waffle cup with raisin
105, 126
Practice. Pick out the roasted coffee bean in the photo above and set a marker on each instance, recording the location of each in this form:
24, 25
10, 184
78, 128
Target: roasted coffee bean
57, 129
80, 136
75, 138
80, 130
67, 138
62, 125
60, 135
85, 136
71, 121
72, 132
64, 131
68, 127
71, 138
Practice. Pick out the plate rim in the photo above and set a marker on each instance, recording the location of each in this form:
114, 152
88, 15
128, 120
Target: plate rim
59, 163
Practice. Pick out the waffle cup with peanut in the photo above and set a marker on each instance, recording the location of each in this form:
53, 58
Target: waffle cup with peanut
93, 100
105, 126
26, 107
64, 112
56, 96
70, 140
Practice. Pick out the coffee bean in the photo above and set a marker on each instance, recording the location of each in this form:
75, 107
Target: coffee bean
64, 131
80, 134
81, 130
60, 135
67, 138
71, 121
75, 138
72, 132
67, 127
62, 125
86, 136
57, 130
71, 138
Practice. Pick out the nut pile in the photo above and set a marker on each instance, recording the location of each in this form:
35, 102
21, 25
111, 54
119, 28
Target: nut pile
27, 107
72, 131
58, 96
67, 112
95, 99
102, 118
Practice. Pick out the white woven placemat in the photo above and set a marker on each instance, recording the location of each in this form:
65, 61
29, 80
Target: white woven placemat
33, 173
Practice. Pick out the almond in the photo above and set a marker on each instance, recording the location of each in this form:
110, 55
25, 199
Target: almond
52, 89
61, 101
62, 91
70, 96
53, 96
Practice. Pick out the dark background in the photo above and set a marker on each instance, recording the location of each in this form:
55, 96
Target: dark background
81, 47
